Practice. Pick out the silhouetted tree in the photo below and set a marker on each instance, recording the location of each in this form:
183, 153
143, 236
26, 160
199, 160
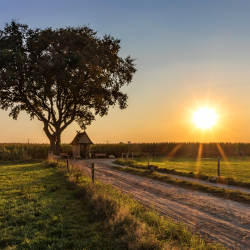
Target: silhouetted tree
60, 76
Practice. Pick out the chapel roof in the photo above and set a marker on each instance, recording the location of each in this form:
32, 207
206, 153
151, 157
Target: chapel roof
81, 138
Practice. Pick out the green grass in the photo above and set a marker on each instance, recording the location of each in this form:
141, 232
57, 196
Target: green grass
42, 207
39, 211
233, 171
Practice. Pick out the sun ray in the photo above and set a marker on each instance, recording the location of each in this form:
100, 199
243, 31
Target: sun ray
173, 151
222, 152
199, 154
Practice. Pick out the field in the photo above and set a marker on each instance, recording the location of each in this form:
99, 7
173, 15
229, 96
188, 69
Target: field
27, 151
38, 211
24, 151
44, 206
233, 169
175, 149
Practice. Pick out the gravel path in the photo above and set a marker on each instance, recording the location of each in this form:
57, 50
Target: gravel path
222, 220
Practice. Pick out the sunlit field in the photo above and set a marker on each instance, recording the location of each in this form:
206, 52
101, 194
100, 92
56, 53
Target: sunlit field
237, 168
38, 210
45, 206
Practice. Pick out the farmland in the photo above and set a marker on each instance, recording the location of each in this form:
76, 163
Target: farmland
24, 151
233, 170
39, 211
172, 158
175, 149
237, 168
42, 207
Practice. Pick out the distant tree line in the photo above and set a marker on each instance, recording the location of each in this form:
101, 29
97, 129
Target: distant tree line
25, 151
175, 149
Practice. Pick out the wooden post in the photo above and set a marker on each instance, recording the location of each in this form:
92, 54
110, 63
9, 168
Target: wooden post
218, 166
67, 164
93, 172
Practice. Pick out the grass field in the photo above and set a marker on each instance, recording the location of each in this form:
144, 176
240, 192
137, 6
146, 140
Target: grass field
234, 169
38, 211
42, 207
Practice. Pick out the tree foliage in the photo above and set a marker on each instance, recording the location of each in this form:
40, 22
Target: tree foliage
62, 75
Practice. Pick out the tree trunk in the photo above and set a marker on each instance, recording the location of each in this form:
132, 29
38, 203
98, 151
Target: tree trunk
53, 145
58, 144
54, 138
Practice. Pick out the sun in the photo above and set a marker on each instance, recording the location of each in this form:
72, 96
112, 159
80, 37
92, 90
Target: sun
204, 118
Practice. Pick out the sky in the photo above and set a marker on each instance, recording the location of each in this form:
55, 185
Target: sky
189, 55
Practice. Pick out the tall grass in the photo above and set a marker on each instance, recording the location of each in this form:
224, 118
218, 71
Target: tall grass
27, 151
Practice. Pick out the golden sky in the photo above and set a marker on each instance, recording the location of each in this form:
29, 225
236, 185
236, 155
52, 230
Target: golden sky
189, 54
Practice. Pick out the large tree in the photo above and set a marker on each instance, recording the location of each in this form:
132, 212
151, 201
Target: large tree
60, 76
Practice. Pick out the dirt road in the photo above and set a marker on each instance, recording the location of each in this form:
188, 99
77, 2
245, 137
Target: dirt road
222, 220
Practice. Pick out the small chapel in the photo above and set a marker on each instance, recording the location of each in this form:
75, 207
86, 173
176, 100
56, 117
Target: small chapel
81, 145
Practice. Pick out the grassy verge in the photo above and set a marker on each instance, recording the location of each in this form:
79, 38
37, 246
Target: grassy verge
219, 192
44, 206
182, 167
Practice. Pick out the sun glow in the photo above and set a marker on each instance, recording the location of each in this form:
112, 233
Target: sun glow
204, 118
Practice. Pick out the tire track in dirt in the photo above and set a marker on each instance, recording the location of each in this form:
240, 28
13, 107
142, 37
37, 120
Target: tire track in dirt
225, 221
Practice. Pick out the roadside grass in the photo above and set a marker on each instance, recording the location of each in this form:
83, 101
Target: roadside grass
39, 210
219, 192
44, 206
233, 171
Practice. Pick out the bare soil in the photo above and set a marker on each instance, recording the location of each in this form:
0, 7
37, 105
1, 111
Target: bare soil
225, 221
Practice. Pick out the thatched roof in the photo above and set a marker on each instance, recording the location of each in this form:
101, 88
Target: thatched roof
81, 138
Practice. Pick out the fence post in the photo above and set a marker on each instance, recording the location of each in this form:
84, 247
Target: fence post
218, 166
93, 172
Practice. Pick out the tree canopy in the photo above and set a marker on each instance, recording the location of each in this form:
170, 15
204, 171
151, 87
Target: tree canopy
60, 76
